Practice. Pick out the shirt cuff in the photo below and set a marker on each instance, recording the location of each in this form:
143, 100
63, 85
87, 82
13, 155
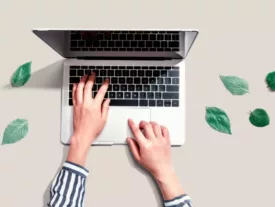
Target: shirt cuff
182, 199
75, 168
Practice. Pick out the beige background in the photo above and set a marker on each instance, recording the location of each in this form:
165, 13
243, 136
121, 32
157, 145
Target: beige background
236, 38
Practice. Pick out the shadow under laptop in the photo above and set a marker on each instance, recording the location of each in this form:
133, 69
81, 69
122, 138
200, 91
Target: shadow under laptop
49, 77
150, 178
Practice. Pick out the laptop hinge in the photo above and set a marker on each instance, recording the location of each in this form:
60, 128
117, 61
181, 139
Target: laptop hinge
123, 58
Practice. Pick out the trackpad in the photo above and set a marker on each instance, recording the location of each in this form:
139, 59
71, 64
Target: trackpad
116, 129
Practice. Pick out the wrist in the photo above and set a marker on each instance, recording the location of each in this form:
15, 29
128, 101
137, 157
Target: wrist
78, 152
163, 175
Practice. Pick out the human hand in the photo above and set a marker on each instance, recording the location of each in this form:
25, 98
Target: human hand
89, 116
152, 148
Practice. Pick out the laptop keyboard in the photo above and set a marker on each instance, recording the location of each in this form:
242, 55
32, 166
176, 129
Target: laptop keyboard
144, 86
124, 41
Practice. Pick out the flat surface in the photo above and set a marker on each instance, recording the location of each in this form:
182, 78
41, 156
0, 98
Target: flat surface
236, 38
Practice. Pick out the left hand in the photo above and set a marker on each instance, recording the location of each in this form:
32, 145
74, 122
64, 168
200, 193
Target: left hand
90, 114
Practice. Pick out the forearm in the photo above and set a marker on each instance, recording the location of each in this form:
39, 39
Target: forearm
172, 190
68, 188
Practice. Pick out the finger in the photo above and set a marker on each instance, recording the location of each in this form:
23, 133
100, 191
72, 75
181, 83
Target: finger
134, 148
156, 129
105, 109
136, 131
73, 94
165, 132
79, 90
101, 92
148, 130
88, 87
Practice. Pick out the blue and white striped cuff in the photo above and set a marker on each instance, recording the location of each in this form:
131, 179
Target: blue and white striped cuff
75, 168
182, 199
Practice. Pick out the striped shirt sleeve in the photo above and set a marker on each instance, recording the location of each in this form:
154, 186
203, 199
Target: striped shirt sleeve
68, 188
180, 201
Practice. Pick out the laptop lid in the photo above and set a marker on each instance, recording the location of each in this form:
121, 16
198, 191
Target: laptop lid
122, 44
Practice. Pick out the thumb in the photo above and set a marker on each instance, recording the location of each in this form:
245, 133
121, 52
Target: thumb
134, 148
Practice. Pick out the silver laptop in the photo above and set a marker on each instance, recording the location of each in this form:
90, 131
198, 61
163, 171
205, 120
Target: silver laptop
146, 70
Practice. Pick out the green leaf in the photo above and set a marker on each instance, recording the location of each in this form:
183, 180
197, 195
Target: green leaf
218, 119
236, 85
21, 75
15, 131
270, 80
259, 118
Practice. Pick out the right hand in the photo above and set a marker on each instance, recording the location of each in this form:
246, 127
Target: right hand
151, 148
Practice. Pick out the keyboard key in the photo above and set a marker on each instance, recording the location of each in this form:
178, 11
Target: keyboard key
141, 44
174, 44
160, 81
156, 73
74, 66
167, 37
143, 102
122, 80
135, 95
154, 88
167, 103
124, 102
119, 94
73, 43
148, 73
110, 88
140, 73
146, 87
158, 95
175, 37
115, 87
99, 80
172, 88
112, 95
122, 36
71, 87
70, 102
103, 73
173, 73
130, 37
70, 94
106, 95
123, 87
114, 80
149, 44
134, 44
145, 37
160, 37
167, 80
127, 95
88, 72
142, 95
150, 95
138, 87
163, 44
137, 80
163, 73
175, 80
175, 103
111, 73
118, 44
137, 67
137, 36
126, 44
161, 87
72, 72
111, 44
152, 103
170, 95
156, 43
175, 68
131, 87
126, 73
159, 102
133, 73
95, 87
80, 72
145, 81
152, 80
74, 79
118, 73
153, 37
129, 80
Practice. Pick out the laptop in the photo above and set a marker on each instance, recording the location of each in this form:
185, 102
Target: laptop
146, 70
